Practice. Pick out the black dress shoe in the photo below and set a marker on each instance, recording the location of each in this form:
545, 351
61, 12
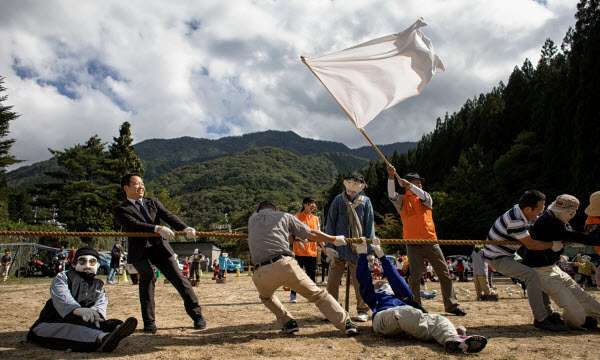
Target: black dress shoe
458, 312
150, 328
199, 323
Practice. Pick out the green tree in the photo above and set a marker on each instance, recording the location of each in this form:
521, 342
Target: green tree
82, 189
6, 116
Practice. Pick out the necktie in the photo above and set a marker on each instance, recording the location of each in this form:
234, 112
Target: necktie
144, 212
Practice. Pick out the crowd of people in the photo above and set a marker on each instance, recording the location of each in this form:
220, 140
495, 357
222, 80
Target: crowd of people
389, 293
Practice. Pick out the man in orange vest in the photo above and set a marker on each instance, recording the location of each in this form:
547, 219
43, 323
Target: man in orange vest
417, 223
304, 251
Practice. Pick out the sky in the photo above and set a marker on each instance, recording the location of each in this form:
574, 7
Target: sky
209, 69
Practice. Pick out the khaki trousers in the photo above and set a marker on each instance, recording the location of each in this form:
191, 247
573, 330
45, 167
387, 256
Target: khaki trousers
416, 258
538, 300
287, 272
336, 271
481, 285
406, 319
576, 302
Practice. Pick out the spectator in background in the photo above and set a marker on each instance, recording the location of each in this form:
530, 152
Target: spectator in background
415, 209
6, 261
186, 267
71, 257
115, 262
195, 265
480, 272
62, 258
585, 269
224, 262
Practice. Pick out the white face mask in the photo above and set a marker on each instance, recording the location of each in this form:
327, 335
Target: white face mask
565, 216
353, 187
87, 264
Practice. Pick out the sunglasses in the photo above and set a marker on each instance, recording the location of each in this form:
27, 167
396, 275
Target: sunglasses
85, 261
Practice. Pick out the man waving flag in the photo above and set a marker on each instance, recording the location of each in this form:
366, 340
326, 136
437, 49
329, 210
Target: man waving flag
371, 77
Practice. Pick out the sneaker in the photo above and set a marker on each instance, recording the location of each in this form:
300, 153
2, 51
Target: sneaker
293, 298
461, 330
547, 325
458, 312
351, 328
468, 344
489, 297
362, 317
590, 323
111, 341
290, 327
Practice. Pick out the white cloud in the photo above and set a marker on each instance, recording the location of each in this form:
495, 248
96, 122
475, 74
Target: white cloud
212, 68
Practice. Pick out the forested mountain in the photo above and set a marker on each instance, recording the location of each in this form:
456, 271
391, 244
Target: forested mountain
237, 183
539, 131
159, 156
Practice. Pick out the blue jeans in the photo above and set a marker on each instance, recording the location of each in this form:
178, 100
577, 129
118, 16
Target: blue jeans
111, 274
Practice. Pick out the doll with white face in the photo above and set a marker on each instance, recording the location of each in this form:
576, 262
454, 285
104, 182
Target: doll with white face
87, 264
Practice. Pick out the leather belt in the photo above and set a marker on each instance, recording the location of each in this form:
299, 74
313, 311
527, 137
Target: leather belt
270, 261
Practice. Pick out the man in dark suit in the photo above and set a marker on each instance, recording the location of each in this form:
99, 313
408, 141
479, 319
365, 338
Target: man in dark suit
139, 214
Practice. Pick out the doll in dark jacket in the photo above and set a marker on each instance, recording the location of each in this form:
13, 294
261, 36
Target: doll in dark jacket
74, 316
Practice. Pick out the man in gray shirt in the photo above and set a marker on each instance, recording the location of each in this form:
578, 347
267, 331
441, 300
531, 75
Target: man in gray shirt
274, 266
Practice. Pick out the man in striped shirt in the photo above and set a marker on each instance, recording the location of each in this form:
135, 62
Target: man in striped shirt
513, 225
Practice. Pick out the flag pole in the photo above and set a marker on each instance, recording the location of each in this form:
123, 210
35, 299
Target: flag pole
349, 117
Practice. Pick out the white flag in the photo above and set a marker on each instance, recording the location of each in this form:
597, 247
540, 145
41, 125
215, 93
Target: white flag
371, 77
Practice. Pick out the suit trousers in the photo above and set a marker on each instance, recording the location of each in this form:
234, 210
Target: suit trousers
286, 272
336, 271
159, 256
416, 258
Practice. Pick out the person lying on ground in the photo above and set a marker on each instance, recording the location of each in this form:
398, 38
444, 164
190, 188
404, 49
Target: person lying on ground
396, 313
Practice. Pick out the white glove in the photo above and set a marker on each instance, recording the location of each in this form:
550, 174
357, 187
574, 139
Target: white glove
557, 246
339, 241
331, 253
190, 233
376, 245
88, 314
166, 233
361, 247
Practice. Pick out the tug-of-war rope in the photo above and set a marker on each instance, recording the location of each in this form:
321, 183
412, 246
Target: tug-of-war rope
244, 236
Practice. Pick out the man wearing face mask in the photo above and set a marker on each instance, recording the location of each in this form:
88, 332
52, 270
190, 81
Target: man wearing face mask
396, 313
514, 225
415, 211
74, 317
580, 308
350, 215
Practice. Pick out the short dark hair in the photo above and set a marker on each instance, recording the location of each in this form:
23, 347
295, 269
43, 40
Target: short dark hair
530, 198
308, 200
126, 179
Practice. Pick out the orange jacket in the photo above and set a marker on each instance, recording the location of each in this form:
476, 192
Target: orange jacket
310, 249
592, 220
417, 219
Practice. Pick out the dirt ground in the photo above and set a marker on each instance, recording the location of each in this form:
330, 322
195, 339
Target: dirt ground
240, 327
